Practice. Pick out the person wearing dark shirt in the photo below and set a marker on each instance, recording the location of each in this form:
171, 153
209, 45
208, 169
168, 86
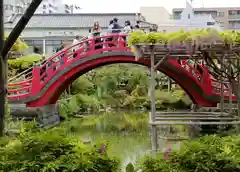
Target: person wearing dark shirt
137, 25
110, 29
116, 27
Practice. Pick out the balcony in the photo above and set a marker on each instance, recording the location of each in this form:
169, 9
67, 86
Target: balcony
234, 17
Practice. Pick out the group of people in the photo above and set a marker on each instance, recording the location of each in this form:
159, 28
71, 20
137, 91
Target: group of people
113, 28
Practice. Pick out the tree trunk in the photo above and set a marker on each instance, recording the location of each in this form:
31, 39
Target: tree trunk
5, 48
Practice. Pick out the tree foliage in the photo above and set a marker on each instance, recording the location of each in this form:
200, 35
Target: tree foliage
119, 86
210, 153
18, 47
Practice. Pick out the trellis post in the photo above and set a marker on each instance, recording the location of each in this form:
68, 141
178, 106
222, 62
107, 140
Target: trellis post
153, 100
221, 87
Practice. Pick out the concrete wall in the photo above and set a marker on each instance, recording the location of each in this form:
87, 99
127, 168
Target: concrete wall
156, 15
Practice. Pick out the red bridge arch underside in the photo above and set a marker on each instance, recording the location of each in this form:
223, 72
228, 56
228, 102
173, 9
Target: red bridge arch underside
52, 94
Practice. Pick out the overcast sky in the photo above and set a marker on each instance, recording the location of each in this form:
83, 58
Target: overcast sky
110, 6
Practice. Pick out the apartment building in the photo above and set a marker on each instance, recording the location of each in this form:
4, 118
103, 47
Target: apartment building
46, 7
227, 17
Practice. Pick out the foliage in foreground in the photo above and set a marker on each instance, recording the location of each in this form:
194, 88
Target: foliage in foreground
207, 154
52, 150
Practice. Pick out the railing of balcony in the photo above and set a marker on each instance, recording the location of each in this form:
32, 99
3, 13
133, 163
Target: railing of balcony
236, 16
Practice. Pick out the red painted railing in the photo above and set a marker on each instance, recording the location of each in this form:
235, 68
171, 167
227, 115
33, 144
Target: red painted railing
37, 78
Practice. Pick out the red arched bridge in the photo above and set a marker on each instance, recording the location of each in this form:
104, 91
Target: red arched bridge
43, 84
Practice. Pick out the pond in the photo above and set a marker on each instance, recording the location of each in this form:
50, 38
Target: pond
128, 133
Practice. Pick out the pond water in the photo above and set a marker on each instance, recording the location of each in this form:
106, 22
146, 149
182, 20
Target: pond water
128, 133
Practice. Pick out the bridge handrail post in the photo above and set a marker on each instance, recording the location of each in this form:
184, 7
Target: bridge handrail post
64, 58
36, 83
121, 40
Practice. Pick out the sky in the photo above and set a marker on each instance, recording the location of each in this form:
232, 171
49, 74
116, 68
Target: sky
122, 6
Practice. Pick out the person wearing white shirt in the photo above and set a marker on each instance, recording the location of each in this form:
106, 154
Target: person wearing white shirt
127, 28
110, 28
75, 41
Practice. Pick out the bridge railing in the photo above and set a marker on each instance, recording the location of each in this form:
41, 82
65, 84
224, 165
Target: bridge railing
53, 65
217, 87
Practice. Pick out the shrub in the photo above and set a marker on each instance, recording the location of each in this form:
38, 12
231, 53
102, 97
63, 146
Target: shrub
52, 150
210, 153
25, 62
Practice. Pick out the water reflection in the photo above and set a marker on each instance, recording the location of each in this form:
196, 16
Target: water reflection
127, 133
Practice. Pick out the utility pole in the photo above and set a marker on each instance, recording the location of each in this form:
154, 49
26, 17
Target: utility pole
2, 70
5, 47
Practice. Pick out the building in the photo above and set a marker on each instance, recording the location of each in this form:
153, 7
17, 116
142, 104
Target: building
49, 7
187, 19
227, 17
56, 6
48, 31
156, 15
12, 7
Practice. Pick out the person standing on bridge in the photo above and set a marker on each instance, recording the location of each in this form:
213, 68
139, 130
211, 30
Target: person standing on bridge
110, 28
96, 30
116, 27
75, 45
116, 30
127, 29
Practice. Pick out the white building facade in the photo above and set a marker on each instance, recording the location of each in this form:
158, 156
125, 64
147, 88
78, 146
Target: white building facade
188, 20
12, 7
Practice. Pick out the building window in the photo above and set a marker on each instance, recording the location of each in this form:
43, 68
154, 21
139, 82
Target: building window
50, 11
210, 23
37, 42
44, 12
189, 16
44, 6
53, 42
220, 14
232, 12
56, 42
29, 42
66, 11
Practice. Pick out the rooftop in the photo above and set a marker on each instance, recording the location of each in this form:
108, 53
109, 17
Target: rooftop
209, 8
74, 20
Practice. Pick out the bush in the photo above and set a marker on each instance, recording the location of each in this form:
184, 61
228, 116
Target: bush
25, 62
210, 153
52, 150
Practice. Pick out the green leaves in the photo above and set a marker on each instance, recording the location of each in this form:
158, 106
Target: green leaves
207, 154
51, 151
24, 62
209, 35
